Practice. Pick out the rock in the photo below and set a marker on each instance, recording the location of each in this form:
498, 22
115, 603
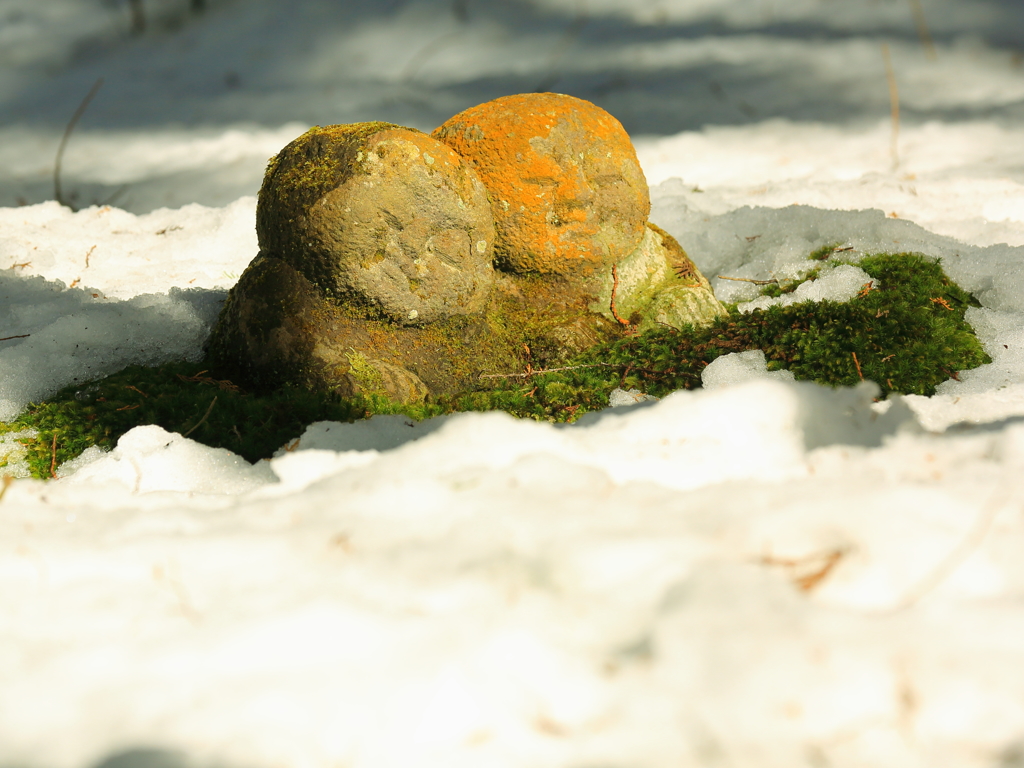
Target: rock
278, 328
658, 285
567, 193
380, 216
374, 270
375, 273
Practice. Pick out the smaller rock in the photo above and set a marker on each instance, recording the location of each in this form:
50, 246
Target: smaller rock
658, 285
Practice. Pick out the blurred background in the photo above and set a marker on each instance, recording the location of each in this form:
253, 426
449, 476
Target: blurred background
197, 94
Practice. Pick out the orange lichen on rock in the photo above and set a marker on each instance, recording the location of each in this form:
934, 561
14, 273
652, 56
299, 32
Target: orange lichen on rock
567, 193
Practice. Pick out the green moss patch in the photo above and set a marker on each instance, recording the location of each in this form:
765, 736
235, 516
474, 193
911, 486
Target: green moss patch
908, 335
180, 397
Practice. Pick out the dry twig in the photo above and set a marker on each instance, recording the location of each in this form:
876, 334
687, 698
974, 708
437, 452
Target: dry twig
615, 286
922, 29
537, 372
970, 543
894, 105
748, 280
808, 572
225, 384
57, 194
205, 417
53, 456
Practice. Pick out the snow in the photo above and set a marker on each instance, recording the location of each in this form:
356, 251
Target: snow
760, 573
739, 367
836, 283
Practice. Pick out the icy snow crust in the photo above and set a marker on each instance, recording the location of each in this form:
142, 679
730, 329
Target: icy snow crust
499, 592
762, 573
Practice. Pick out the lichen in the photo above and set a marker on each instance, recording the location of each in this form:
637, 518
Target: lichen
302, 173
657, 285
369, 378
317, 161
567, 193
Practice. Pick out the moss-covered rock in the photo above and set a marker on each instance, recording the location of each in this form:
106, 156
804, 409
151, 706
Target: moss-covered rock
278, 329
657, 285
381, 216
377, 273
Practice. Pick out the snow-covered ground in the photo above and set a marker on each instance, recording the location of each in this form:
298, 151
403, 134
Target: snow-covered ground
761, 573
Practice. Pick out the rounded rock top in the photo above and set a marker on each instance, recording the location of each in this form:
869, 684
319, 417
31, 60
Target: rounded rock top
567, 192
381, 216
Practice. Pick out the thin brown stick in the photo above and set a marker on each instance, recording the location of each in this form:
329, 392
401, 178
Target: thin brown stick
809, 581
629, 367
748, 280
808, 572
224, 384
894, 105
856, 362
57, 194
922, 29
53, 456
539, 371
625, 373
205, 417
20, 336
615, 286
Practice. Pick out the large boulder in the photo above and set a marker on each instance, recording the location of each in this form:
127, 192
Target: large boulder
381, 271
567, 193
